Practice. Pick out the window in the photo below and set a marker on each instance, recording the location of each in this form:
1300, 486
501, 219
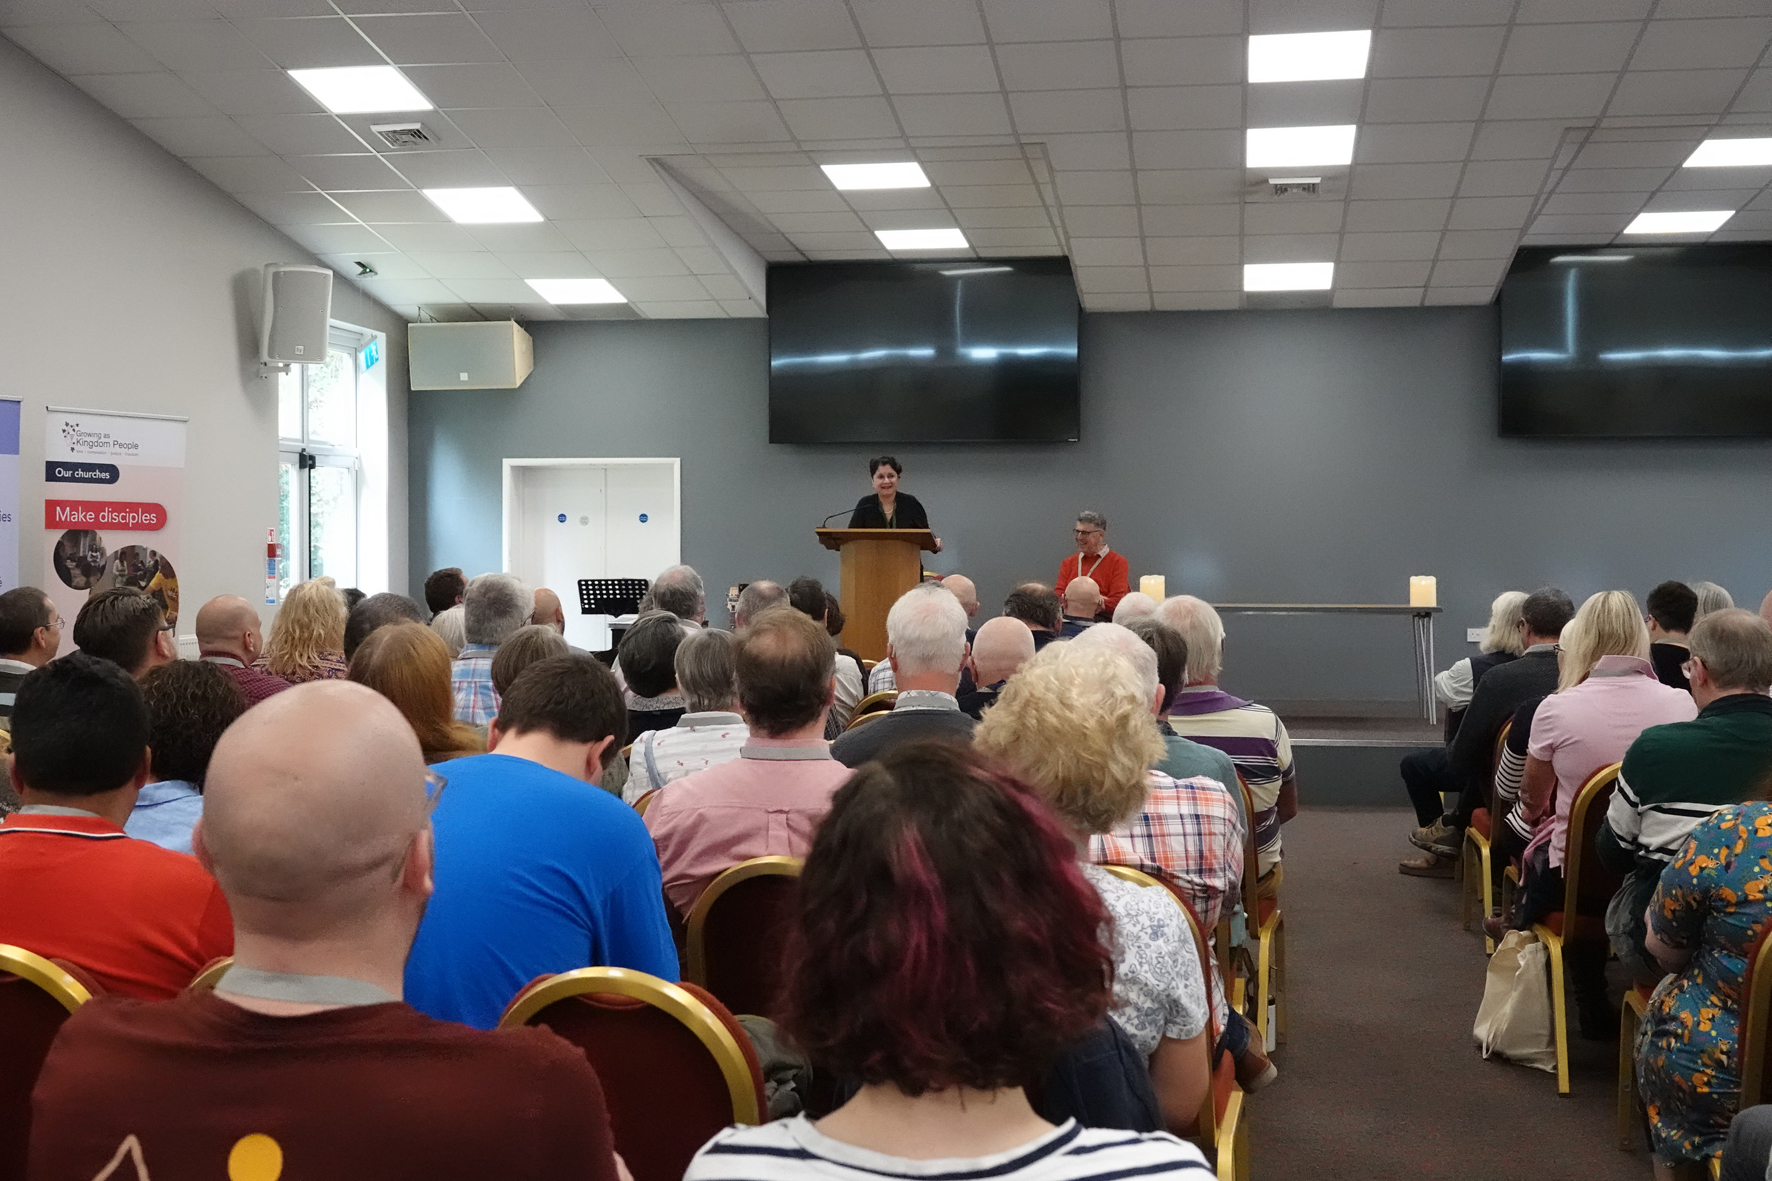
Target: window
320, 466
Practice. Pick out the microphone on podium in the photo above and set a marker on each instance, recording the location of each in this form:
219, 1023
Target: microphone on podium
822, 524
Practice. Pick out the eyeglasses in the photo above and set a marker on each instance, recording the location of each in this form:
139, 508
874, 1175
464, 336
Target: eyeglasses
1686, 667
434, 785
1085, 532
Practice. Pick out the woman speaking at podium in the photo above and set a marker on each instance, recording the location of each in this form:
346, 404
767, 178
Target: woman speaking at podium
888, 508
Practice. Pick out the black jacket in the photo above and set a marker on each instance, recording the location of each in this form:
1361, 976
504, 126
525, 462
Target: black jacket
898, 727
908, 509
1502, 690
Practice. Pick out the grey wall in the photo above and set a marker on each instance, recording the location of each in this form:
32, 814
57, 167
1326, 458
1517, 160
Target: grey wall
1288, 456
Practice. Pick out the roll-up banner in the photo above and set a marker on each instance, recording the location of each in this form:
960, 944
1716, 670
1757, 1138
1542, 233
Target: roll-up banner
9, 408
113, 493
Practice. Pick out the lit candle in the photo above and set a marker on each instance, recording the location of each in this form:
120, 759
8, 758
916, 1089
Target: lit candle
1152, 585
1423, 591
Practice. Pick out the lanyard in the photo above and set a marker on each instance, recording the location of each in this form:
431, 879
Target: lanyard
1082, 573
301, 990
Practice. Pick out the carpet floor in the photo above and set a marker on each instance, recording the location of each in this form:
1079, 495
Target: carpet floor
1379, 1077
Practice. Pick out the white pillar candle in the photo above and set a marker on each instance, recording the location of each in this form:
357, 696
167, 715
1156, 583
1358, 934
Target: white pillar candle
1152, 585
1423, 591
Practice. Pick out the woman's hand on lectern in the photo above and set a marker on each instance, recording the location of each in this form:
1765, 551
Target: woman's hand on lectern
938, 545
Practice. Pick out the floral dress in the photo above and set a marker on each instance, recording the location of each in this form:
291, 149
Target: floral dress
1713, 899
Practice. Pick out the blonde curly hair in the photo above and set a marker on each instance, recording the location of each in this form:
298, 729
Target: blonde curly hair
1076, 726
310, 626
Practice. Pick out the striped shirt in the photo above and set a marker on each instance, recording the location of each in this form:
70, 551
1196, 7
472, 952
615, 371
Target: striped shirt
795, 1150
1255, 739
695, 743
1189, 833
1677, 776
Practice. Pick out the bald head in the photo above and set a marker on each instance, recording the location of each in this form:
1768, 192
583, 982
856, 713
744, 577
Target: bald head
964, 590
1001, 647
1082, 597
548, 611
229, 626
307, 839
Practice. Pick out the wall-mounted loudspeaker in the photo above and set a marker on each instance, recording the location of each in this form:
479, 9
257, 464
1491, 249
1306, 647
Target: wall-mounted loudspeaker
298, 305
472, 355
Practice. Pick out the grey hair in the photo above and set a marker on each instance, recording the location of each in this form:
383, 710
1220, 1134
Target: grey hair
1125, 642
758, 597
1136, 605
927, 631
1736, 649
494, 606
1506, 614
1203, 630
679, 590
450, 629
1091, 517
707, 671
1711, 597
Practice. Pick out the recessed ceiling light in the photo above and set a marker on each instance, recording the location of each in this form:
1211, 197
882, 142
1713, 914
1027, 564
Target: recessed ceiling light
921, 239
907, 174
1300, 147
1731, 153
1694, 221
1309, 57
360, 90
576, 290
480, 206
1288, 276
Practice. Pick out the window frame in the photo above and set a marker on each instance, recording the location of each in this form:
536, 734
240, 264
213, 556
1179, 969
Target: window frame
303, 454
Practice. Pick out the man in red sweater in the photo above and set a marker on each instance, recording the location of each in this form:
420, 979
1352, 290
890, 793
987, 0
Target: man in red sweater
1095, 560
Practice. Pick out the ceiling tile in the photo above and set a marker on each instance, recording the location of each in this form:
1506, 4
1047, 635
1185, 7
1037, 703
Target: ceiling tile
1702, 44
650, 288
1128, 252
1383, 274
557, 264
1048, 20
195, 45
435, 237
1675, 200
778, 178
144, 96
1503, 178
1306, 104
166, 10
513, 127
1177, 61
1184, 186
1215, 251
876, 219
836, 240
1311, 16
1561, 203
612, 233
1088, 151
1435, 52
665, 30
1569, 48
1110, 279
1210, 277
321, 41
1082, 219
467, 264
918, 22
1478, 243
464, 168
1378, 216
945, 69
1719, 189
1413, 143
1675, 92
1612, 180
209, 135
794, 224
1069, 110
83, 49
387, 264
252, 92
839, 118
766, 26
1400, 247
529, 236
483, 85
1259, 248
1425, 100
406, 205
429, 39
1469, 272
687, 310
976, 172
1372, 181
24, 13
250, 174
1549, 96
1059, 65
1414, 13
1193, 301
296, 208
580, 202
1375, 297
573, 84
301, 135
1670, 153
734, 122
822, 74
1184, 221
1164, 18
548, 35
362, 171
1459, 296
952, 114
336, 239
1491, 213
545, 166
1188, 149
608, 124
1581, 223
1524, 139
1293, 217
1095, 188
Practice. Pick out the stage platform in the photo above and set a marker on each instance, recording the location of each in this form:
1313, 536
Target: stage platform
1346, 753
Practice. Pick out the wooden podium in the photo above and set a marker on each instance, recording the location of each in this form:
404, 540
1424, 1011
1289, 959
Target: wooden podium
878, 566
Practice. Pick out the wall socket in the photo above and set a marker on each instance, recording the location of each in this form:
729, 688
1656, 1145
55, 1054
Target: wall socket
1474, 635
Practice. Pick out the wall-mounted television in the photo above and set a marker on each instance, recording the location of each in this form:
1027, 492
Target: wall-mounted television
958, 351
1637, 341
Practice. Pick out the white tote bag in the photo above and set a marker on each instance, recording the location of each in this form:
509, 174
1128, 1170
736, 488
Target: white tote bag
1514, 1020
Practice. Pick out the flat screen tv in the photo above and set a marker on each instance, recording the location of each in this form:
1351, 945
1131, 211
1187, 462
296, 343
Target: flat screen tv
923, 352
1637, 341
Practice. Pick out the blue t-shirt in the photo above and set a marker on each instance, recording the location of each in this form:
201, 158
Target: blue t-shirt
537, 872
165, 813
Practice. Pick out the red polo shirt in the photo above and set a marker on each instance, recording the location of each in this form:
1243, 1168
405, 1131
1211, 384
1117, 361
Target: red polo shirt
1109, 573
141, 919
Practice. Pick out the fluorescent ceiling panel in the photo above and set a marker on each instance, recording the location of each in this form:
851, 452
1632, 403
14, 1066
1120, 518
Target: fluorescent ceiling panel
1696, 221
483, 206
1309, 57
907, 174
1288, 276
361, 90
563, 291
921, 239
1731, 153
1300, 147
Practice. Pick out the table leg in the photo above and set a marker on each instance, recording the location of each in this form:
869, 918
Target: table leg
1424, 667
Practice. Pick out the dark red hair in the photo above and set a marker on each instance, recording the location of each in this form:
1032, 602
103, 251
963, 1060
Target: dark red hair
945, 935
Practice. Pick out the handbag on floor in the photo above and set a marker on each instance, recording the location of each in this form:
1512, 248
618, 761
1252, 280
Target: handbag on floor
1514, 1020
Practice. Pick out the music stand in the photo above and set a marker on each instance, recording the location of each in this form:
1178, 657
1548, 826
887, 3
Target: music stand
611, 596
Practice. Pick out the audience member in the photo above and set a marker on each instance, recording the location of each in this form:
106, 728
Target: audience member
1711, 598
1748, 1154
1470, 757
444, 589
880, 678
965, 590
1704, 924
190, 703
1095, 560
1766, 607
1037, 606
535, 874
1672, 607
407, 664
945, 950
493, 607
1003, 646
228, 637
679, 590
711, 731
1188, 832
126, 627
1186, 758
141, 919
1252, 735
756, 598
1676, 775
378, 611
353, 596
769, 800
1136, 605
307, 641
807, 596
304, 1045
1077, 726
1082, 603
526, 645
548, 611
452, 629
647, 660
926, 647
30, 636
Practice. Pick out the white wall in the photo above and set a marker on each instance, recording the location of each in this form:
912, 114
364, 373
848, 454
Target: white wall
129, 282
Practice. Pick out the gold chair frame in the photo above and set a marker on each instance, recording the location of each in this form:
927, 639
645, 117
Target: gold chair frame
660, 994
1269, 937
211, 974
35, 969
1630, 1020
860, 720
1476, 848
1596, 783
1228, 1138
645, 800
695, 968
885, 698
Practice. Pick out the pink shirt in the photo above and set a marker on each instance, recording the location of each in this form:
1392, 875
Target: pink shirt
1589, 726
765, 803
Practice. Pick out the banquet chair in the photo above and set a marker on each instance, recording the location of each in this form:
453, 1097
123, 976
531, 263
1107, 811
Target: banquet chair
737, 938
36, 996
874, 702
206, 977
1267, 931
1630, 1020
645, 800
676, 1067
1474, 864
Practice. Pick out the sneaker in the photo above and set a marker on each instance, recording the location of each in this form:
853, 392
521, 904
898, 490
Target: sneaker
1438, 837
1428, 865
1255, 1070
1496, 927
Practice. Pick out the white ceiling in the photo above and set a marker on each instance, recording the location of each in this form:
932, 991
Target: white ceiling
1109, 130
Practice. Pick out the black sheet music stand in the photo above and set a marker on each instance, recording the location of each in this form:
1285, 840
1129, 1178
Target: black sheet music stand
611, 596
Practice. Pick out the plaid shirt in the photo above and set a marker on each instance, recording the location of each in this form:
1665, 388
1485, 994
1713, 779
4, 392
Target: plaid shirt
1190, 833
476, 701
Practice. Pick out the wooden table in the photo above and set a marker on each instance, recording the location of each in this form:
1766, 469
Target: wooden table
1423, 623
